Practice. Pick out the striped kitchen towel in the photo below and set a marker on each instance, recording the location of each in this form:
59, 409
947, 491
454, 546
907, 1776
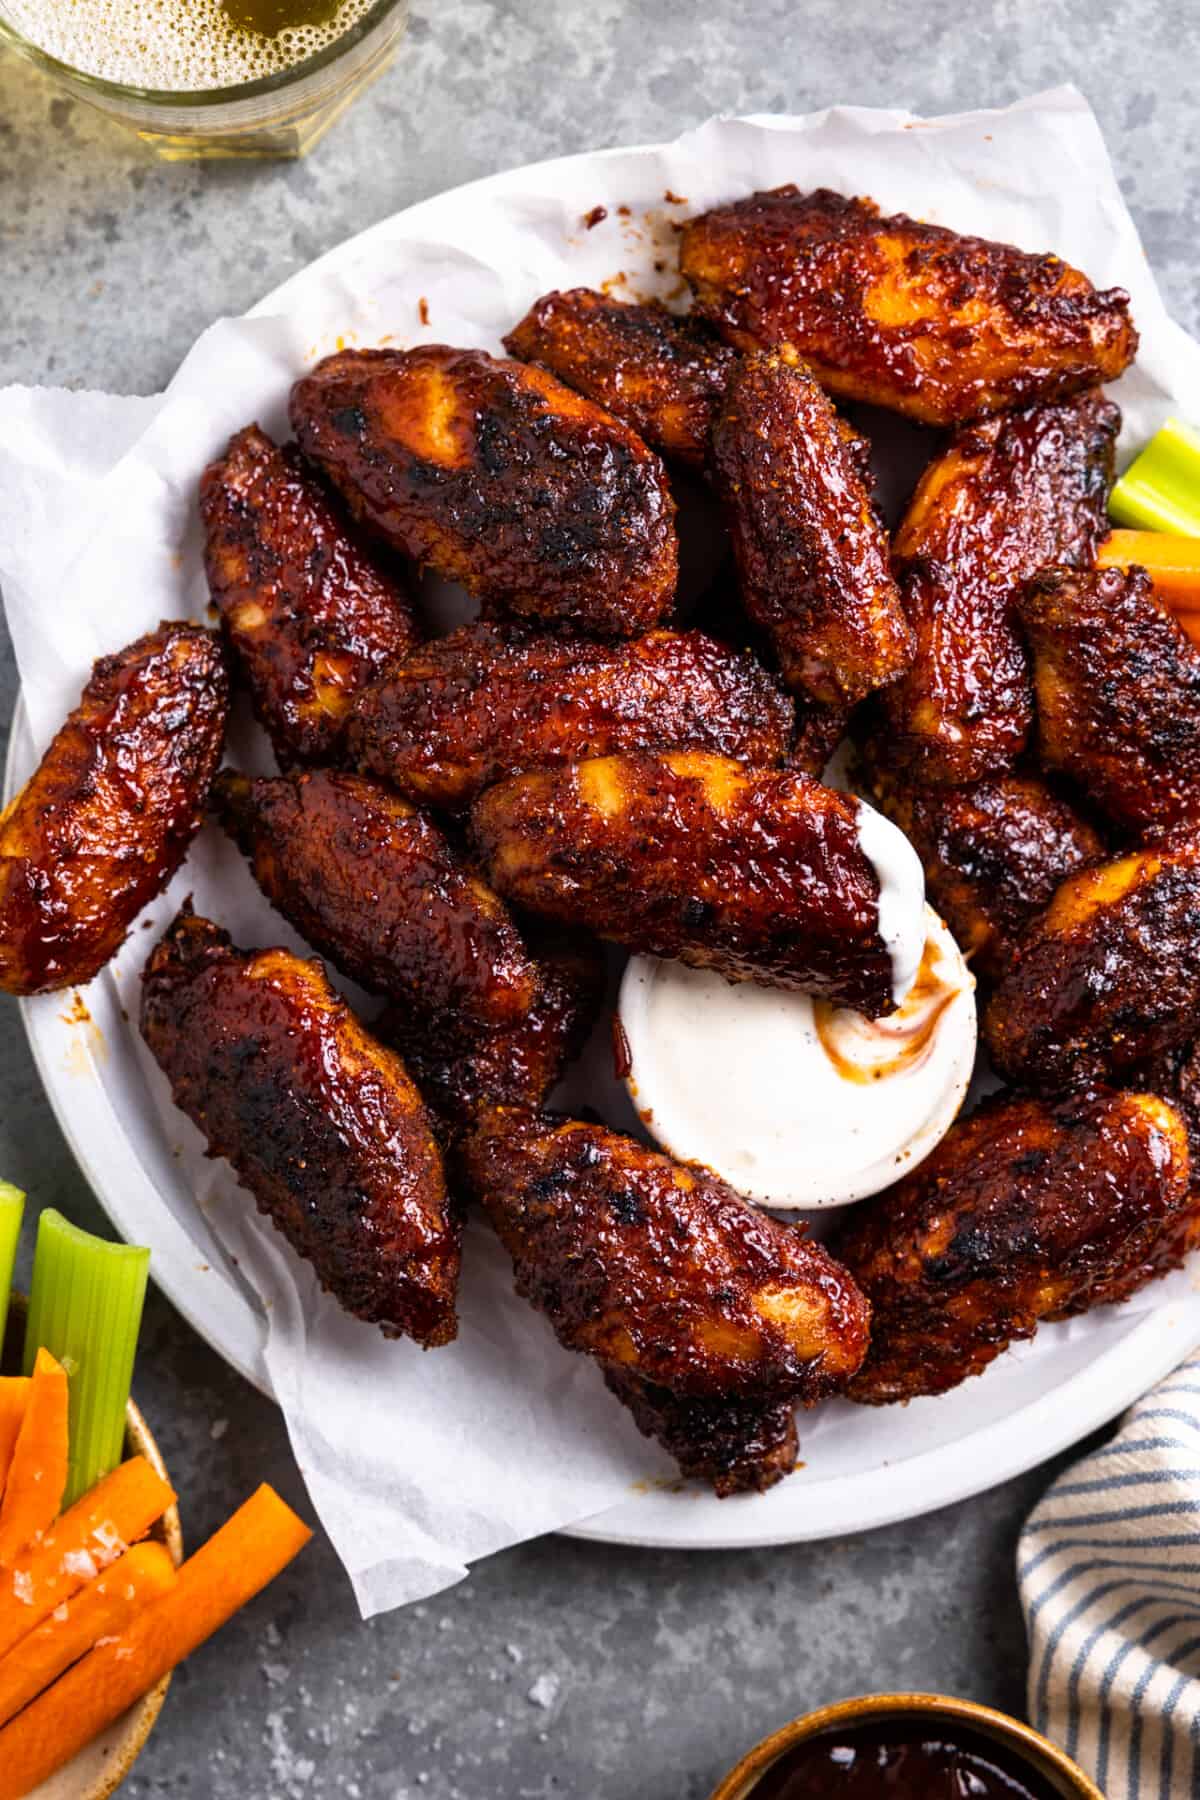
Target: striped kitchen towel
1109, 1572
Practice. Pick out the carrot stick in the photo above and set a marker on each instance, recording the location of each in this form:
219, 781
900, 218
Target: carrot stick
119, 1510
239, 1560
14, 1396
37, 1475
102, 1609
1173, 562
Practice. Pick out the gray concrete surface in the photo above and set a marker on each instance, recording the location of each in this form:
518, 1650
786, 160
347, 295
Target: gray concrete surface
559, 1669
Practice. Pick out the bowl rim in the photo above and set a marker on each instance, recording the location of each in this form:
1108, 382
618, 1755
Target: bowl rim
142, 1717
1045, 1758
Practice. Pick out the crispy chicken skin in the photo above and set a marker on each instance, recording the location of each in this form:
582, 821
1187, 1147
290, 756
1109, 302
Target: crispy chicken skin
320, 1122
1175, 1074
1027, 1210
663, 375
489, 700
811, 552
660, 1270
1108, 976
309, 615
993, 854
736, 1446
106, 818
496, 475
461, 1070
374, 885
755, 873
1006, 498
906, 315
1118, 694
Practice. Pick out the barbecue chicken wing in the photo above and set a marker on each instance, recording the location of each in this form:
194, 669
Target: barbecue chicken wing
310, 617
1118, 694
736, 1446
907, 315
321, 1123
1006, 498
1175, 1074
490, 700
106, 818
758, 874
1028, 1210
496, 475
1108, 976
993, 854
374, 886
461, 1069
663, 375
811, 553
667, 1277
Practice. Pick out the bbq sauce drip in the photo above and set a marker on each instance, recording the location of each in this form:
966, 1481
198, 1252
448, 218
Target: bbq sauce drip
911, 1759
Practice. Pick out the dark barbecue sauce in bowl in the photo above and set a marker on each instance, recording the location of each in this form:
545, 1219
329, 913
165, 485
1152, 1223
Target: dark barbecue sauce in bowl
903, 1759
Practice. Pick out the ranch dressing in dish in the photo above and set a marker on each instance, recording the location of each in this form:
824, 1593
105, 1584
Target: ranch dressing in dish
901, 894
794, 1102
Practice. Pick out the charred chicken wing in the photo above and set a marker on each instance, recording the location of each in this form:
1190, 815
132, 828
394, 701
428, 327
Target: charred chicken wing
1118, 694
309, 615
1006, 498
1028, 1210
320, 1122
496, 475
907, 315
994, 854
374, 886
811, 553
665, 1275
461, 1070
490, 700
736, 1446
106, 818
758, 874
663, 375
1108, 976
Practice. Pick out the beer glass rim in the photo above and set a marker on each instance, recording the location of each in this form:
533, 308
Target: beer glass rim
176, 98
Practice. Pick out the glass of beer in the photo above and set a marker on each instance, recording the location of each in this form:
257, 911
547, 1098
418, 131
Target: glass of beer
211, 78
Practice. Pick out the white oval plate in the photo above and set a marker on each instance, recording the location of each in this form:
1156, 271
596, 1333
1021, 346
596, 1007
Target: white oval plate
1030, 1404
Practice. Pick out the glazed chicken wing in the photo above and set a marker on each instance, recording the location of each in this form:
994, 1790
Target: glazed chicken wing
1118, 694
321, 1123
310, 617
735, 1446
900, 313
994, 854
759, 874
811, 553
496, 475
661, 1272
1028, 1210
461, 1070
374, 886
490, 700
663, 375
1108, 976
1005, 499
106, 818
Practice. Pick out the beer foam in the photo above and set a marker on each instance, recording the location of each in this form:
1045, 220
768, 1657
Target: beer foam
183, 46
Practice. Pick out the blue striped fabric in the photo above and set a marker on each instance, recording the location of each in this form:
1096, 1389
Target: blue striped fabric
1109, 1572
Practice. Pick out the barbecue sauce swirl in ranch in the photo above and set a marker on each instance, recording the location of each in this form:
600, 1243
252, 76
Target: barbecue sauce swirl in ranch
903, 1759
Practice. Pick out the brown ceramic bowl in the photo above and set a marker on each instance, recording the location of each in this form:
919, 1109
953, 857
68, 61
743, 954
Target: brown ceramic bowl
1040, 1756
99, 1770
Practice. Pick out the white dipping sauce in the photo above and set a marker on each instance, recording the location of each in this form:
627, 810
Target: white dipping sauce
901, 894
796, 1103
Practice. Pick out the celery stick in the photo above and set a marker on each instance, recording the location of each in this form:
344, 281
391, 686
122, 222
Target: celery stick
12, 1205
85, 1307
1160, 490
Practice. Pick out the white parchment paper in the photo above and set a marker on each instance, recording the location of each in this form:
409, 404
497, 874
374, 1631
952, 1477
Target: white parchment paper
421, 1463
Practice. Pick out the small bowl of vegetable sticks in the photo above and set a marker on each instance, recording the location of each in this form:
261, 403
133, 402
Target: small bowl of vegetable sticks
97, 1602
